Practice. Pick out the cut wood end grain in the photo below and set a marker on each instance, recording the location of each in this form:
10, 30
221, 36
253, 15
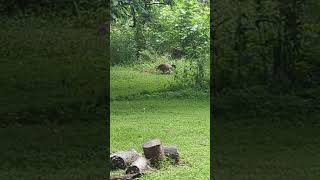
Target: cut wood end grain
153, 151
152, 143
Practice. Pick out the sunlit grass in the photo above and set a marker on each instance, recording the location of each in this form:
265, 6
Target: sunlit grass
183, 122
127, 81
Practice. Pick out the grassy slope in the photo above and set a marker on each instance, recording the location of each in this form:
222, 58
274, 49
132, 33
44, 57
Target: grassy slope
184, 122
51, 71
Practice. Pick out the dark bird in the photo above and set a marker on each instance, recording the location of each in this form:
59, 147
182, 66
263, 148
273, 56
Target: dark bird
165, 67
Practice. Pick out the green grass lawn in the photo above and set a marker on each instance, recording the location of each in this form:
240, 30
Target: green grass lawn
72, 151
128, 81
53, 78
247, 147
253, 149
48, 68
183, 122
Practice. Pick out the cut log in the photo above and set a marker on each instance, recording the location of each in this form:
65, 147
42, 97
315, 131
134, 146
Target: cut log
138, 166
123, 159
153, 151
126, 177
172, 152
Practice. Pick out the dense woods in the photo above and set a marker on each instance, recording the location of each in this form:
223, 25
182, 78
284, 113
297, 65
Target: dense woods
265, 51
273, 43
144, 31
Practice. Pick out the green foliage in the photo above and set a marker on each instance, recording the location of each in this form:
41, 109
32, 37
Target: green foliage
266, 43
79, 13
184, 25
122, 45
157, 29
192, 74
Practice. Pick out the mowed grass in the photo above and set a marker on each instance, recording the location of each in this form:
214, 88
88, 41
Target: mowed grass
127, 81
73, 151
53, 79
47, 68
255, 148
245, 147
183, 122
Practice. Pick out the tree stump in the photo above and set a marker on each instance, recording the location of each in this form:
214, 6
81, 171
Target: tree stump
172, 152
153, 151
138, 166
122, 159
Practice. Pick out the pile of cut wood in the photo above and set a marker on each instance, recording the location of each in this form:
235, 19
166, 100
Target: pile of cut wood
136, 164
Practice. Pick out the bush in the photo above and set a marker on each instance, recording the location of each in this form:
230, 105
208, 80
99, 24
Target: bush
122, 46
194, 73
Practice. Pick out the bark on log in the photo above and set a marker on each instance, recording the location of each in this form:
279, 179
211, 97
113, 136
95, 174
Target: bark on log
138, 166
153, 151
172, 152
126, 177
122, 159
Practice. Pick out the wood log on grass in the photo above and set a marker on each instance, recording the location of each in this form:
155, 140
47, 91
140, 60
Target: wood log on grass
172, 153
140, 165
123, 159
153, 151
